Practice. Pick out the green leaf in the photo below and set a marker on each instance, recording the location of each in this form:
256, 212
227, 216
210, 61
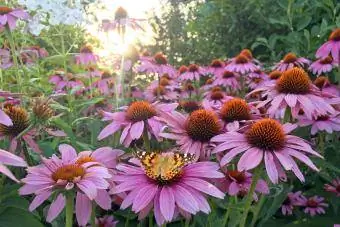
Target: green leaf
303, 22
18, 217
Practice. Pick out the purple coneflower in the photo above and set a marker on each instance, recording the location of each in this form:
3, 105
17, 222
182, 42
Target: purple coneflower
161, 93
62, 175
86, 56
227, 79
241, 64
216, 68
328, 123
66, 82
322, 65
106, 221
193, 74
134, 119
334, 187
326, 87
158, 64
293, 199
105, 84
215, 99
266, 140
256, 79
5, 59
294, 90
289, 61
10, 159
169, 185
314, 205
193, 132
331, 47
9, 16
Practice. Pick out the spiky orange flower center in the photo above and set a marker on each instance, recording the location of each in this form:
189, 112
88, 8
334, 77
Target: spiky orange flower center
235, 110
215, 89
4, 10
335, 35
164, 82
216, 63
209, 81
228, 74
85, 159
217, 95
160, 90
312, 203
68, 172
293, 81
87, 49
247, 53
202, 125
140, 111
183, 69
166, 76
275, 75
241, 59
20, 120
193, 68
289, 58
120, 13
326, 60
266, 134
190, 106
321, 81
160, 59
106, 75
42, 109
189, 87
238, 176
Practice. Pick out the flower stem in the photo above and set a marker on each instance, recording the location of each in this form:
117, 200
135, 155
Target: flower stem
257, 211
26, 154
69, 209
287, 117
321, 142
255, 178
63, 51
226, 216
25, 131
150, 220
187, 222
93, 215
146, 140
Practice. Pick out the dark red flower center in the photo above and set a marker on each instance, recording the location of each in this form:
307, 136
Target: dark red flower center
247, 53
293, 81
228, 74
202, 125
335, 35
215, 89
164, 82
240, 177
160, 90
68, 172
241, 59
321, 82
189, 87
193, 68
275, 75
216, 63
322, 118
327, 60
235, 110
217, 95
140, 111
266, 134
160, 59
289, 58
183, 69
190, 106
312, 203
4, 10
86, 49
209, 81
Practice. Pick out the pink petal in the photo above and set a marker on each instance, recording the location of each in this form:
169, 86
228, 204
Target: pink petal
270, 167
56, 207
137, 130
68, 153
103, 199
185, 200
83, 208
88, 188
4, 119
109, 130
250, 159
144, 197
203, 186
167, 203
39, 199
8, 158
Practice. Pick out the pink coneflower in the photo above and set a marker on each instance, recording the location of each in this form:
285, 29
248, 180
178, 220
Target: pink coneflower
322, 65
158, 64
106, 221
216, 68
9, 16
289, 61
161, 93
10, 159
334, 187
5, 59
190, 106
66, 82
169, 185
214, 100
323, 83
328, 123
137, 93
331, 47
193, 73
182, 70
314, 205
293, 199
188, 90
193, 132
266, 140
238, 183
60, 175
20, 123
228, 80
241, 64
256, 79
105, 84
134, 119
31, 54
86, 56
294, 90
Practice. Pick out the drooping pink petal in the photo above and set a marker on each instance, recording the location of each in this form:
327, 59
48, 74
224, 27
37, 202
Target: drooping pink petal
167, 203
56, 207
250, 159
8, 158
270, 167
137, 130
109, 130
39, 199
144, 196
83, 208
103, 199
185, 200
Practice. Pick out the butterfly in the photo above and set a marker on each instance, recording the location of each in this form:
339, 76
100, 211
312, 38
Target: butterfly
163, 166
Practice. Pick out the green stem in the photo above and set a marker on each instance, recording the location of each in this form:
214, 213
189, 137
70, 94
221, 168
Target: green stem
14, 56
28, 158
146, 140
93, 215
226, 216
25, 131
1, 80
150, 220
187, 222
257, 210
63, 51
255, 178
321, 142
126, 223
69, 209
288, 115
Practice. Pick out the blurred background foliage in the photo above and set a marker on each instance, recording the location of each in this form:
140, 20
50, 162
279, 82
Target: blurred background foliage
194, 31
